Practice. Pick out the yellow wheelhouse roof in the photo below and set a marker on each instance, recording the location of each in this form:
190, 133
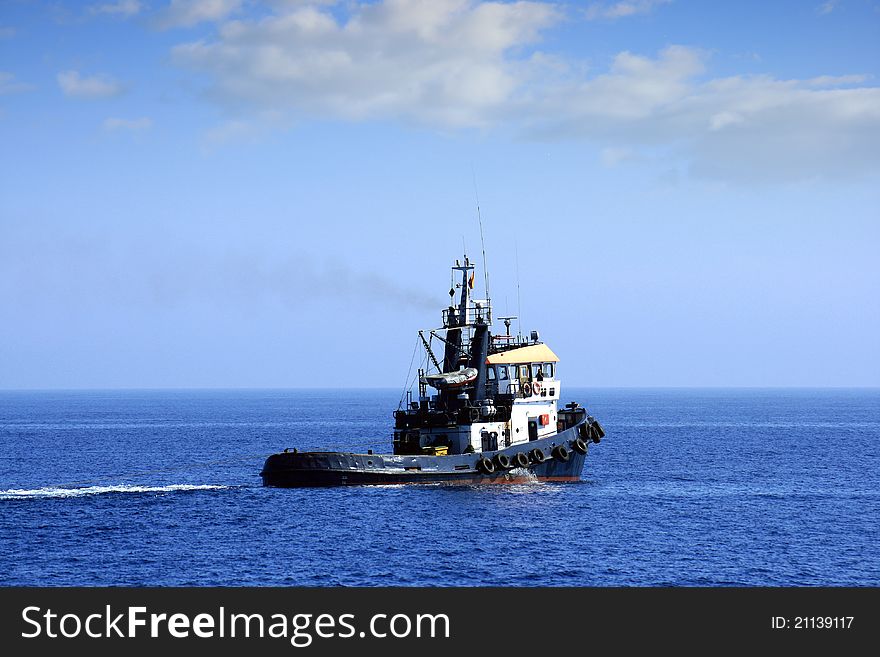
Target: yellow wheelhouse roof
535, 353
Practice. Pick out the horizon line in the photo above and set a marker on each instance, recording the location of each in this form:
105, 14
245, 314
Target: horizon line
392, 388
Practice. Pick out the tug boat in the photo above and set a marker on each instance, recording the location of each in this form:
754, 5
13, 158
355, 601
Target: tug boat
491, 415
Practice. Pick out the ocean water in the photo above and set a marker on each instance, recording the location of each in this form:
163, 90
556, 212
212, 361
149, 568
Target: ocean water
690, 487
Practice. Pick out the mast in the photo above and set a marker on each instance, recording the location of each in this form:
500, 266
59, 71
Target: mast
465, 290
462, 318
478, 330
467, 334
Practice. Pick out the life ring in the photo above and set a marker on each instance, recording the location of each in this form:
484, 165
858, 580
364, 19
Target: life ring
579, 445
537, 455
486, 465
521, 459
503, 461
536, 388
561, 453
527, 389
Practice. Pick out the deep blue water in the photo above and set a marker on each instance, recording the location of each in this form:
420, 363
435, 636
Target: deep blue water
690, 487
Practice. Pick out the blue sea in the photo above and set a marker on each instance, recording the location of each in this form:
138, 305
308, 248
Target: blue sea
689, 488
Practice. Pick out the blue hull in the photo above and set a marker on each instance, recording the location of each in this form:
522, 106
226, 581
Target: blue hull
295, 469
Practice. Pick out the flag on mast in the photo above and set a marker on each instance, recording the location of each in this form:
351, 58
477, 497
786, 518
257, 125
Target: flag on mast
471, 280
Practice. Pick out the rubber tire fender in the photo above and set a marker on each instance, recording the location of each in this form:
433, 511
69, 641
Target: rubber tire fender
561, 453
485, 466
585, 431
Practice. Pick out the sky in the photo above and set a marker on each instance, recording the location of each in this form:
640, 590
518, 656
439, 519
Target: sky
258, 194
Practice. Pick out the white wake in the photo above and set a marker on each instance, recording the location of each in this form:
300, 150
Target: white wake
54, 491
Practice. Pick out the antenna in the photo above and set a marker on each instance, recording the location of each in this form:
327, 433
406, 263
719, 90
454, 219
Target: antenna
483, 247
518, 300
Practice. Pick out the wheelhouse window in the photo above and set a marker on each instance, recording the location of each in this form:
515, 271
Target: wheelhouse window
502, 372
490, 372
548, 370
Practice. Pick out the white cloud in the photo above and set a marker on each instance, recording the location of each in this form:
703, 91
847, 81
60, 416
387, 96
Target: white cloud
76, 86
186, 13
835, 80
234, 131
635, 88
746, 128
613, 156
113, 124
9, 85
239, 131
828, 7
614, 10
121, 8
287, 5
785, 130
437, 61
723, 119
460, 63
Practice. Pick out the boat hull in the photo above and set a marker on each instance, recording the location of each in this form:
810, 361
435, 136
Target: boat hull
301, 469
